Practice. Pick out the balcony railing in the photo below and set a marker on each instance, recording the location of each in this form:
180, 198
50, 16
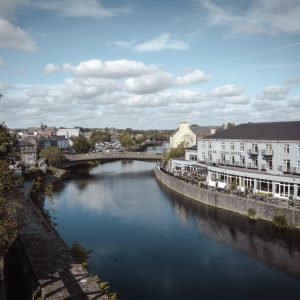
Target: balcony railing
252, 166
285, 169
253, 151
267, 152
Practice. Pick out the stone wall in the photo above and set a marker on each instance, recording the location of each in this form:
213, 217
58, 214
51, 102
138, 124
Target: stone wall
232, 203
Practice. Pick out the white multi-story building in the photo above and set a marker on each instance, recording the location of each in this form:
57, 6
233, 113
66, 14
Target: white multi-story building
68, 132
262, 157
187, 135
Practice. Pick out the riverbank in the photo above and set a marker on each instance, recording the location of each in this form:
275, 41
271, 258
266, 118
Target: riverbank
39, 263
243, 206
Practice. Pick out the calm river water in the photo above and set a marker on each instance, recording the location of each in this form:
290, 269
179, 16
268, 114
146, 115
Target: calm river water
150, 243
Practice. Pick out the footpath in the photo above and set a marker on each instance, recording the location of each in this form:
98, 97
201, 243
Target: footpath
47, 267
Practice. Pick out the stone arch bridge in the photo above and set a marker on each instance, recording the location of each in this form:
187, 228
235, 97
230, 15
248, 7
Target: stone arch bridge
82, 159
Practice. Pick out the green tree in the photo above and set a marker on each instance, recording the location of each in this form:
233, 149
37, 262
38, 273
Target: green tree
230, 125
81, 144
175, 152
10, 188
54, 156
126, 140
7, 143
233, 186
99, 136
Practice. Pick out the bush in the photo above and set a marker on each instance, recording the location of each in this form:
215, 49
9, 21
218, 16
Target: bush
54, 156
80, 254
251, 213
279, 219
175, 152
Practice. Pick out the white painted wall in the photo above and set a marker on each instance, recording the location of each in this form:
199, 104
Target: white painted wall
183, 134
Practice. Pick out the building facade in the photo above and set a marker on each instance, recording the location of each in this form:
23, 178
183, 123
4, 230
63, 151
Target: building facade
187, 135
261, 157
68, 132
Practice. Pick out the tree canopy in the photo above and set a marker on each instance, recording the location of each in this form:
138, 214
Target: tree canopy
9, 192
175, 152
54, 156
99, 137
81, 144
7, 142
126, 140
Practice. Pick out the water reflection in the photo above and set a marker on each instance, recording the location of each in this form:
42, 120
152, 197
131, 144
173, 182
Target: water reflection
260, 239
150, 243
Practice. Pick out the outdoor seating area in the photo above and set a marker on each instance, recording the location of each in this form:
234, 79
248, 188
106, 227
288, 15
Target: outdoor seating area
199, 177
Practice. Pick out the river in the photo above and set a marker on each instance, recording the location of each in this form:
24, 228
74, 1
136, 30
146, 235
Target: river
150, 243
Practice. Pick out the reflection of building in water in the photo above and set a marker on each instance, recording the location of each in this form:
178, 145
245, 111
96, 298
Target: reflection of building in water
181, 213
258, 239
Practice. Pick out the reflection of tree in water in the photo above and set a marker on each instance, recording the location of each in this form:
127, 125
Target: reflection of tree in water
259, 239
81, 185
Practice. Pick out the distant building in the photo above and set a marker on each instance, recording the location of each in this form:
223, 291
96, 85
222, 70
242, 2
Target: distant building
46, 142
28, 151
188, 135
62, 142
68, 132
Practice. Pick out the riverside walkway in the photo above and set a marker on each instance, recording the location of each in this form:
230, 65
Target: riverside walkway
82, 158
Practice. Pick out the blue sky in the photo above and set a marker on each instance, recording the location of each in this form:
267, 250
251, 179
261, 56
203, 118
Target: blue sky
148, 64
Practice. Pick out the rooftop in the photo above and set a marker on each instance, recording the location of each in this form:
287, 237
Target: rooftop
261, 131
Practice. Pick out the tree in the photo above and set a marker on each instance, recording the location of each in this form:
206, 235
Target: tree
81, 144
233, 186
10, 190
54, 156
126, 140
175, 152
7, 142
99, 136
230, 125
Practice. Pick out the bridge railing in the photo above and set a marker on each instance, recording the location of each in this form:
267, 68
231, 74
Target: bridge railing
114, 155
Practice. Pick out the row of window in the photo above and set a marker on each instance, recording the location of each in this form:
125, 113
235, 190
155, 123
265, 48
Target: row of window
269, 165
254, 148
281, 188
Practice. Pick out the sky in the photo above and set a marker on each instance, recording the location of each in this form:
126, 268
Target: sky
148, 64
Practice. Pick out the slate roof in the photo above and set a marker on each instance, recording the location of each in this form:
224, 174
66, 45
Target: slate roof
192, 148
261, 131
202, 131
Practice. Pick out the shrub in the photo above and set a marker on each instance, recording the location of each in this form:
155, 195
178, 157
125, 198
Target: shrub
251, 213
279, 219
80, 254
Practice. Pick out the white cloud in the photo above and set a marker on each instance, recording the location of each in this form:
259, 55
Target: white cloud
51, 68
240, 100
292, 81
150, 83
79, 8
162, 42
15, 37
5, 86
87, 88
2, 62
267, 17
294, 101
228, 90
145, 101
273, 93
193, 77
110, 69
8, 7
